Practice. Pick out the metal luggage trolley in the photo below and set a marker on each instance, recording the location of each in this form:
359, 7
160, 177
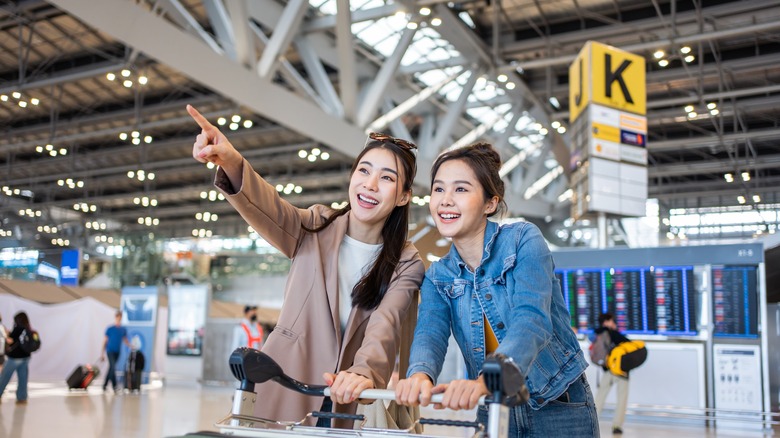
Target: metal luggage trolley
250, 366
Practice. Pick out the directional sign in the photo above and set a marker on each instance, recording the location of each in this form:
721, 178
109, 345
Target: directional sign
608, 76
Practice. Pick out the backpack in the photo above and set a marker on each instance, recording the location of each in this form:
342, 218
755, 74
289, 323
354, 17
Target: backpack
626, 357
29, 341
600, 349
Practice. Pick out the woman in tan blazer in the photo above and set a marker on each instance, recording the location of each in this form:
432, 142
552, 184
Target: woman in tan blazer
340, 321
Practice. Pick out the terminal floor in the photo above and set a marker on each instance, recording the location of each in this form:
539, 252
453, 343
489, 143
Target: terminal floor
179, 408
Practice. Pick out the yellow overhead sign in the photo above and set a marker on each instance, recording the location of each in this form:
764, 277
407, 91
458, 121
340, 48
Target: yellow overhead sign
608, 76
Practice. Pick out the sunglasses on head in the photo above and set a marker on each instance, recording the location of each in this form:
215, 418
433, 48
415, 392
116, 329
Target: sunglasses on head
401, 143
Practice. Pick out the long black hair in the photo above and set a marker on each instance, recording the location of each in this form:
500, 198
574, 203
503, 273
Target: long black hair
21, 320
369, 291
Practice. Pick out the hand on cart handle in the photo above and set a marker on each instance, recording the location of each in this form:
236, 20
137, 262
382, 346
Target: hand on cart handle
345, 387
461, 394
418, 389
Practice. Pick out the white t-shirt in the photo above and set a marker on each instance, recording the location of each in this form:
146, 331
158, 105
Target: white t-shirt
355, 260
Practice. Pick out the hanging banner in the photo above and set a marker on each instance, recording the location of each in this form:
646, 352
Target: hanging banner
139, 316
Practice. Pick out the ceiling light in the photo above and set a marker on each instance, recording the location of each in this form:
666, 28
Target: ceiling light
555, 124
756, 198
502, 78
148, 139
685, 50
714, 112
688, 108
221, 121
34, 101
561, 130
658, 54
692, 115
741, 199
39, 149
63, 151
143, 80
23, 104
711, 105
312, 158
4, 97
110, 76
554, 102
510, 85
324, 156
425, 11
233, 126
123, 136
248, 124
689, 58
49, 147
316, 151
16, 94
411, 25
436, 21
136, 141
728, 177
126, 73
745, 176
127, 83
663, 63
236, 118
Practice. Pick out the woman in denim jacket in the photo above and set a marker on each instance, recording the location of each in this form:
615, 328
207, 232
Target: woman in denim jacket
497, 293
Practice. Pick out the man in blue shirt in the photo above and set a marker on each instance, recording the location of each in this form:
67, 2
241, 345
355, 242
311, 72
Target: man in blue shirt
112, 345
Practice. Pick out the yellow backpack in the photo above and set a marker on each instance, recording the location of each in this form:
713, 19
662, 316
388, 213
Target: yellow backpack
626, 356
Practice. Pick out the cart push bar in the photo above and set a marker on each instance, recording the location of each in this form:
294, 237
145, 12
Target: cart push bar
249, 366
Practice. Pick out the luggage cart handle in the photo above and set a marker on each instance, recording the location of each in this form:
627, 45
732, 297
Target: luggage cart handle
388, 394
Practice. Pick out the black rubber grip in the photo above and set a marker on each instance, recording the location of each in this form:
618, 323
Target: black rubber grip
320, 414
438, 422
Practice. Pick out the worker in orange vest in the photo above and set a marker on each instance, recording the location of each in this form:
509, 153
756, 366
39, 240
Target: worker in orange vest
251, 332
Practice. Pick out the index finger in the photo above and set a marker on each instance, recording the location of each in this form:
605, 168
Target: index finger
199, 119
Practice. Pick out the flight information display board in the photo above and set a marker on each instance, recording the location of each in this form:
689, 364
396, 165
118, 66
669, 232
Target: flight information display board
735, 301
644, 300
583, 293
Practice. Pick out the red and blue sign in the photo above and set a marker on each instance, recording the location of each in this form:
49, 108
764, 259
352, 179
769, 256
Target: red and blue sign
632, 138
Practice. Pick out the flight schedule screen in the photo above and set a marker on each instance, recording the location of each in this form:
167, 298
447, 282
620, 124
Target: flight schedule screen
735, 301
644, 300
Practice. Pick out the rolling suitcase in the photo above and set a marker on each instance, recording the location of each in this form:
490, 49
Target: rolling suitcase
82, 376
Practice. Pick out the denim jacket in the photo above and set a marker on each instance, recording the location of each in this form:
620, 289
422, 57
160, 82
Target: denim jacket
516, 288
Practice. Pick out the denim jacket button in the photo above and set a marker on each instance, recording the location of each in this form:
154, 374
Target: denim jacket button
488, 297
481, 272
539, 400
500, 325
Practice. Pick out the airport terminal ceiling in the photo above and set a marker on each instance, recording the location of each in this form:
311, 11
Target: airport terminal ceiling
96, 141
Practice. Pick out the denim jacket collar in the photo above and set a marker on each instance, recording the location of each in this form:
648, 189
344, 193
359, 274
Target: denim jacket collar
453, 260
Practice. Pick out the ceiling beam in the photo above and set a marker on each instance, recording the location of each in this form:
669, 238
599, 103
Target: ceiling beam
142, 30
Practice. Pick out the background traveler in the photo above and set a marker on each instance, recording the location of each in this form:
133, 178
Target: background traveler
112, 345
18, 358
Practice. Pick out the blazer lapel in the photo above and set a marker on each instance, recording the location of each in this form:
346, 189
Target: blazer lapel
330, 253
356, 318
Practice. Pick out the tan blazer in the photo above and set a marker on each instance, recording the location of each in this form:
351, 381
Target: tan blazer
307, 339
